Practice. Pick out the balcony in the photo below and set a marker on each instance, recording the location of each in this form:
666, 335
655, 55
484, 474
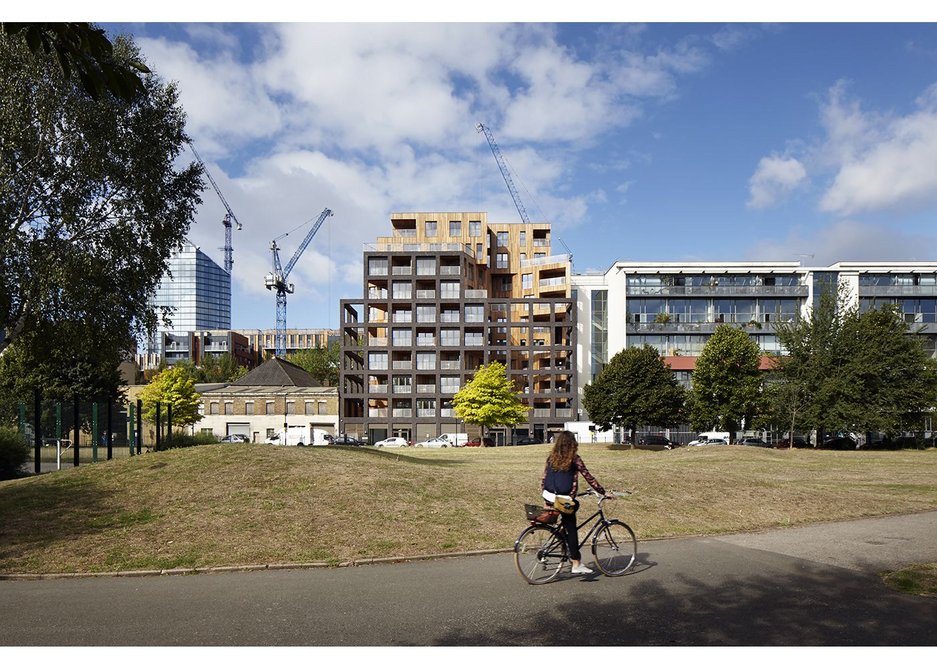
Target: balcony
450, 271
450, 364
403, 389
426, 389
446, 412
377, 294
402, 271
898, 290
718, 290
403, 412
550, 259
377, 389
426, 412
476, 294
403, 364
558, 281
541, 412
377, 340
425, 294
377, 412
426, 342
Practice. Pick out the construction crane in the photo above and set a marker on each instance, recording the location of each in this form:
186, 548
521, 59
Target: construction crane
505, 172
276, 280
228, 219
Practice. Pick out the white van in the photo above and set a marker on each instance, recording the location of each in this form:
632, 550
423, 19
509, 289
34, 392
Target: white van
707, 435
456, 440
301, 436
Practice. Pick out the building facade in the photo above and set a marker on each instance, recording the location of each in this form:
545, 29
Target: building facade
675, 307
262, 342
443, 295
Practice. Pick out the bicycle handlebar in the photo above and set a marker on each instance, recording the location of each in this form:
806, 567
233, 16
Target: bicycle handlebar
608, 494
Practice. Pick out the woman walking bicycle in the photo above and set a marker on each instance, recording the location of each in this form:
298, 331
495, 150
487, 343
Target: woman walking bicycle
561, 479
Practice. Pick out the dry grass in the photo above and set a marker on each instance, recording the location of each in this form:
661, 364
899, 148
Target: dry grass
254, 504
920, 580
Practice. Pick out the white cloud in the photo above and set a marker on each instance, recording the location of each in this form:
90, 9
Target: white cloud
774, 177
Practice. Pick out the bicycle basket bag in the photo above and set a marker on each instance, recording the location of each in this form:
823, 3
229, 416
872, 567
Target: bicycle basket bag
565, 504
541, 514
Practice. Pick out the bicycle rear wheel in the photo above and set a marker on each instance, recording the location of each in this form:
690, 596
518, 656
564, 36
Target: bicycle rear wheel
614, 547
539, 553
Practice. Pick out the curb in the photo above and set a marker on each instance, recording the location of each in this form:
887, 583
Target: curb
251, 567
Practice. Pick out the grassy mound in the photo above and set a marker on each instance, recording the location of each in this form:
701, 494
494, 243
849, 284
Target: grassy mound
234, 504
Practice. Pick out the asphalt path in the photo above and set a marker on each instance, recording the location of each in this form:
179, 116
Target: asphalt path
811, 586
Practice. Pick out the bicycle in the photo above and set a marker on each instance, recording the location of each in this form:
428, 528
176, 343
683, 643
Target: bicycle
540, 551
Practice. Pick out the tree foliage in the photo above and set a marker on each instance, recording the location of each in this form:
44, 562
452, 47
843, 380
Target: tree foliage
85, 50
489, 399
221, 368
727, 382
91, 202
322, 363
852, 371
173, 387
636, 388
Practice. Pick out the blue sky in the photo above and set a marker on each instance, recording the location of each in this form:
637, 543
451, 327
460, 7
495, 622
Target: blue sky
637, 141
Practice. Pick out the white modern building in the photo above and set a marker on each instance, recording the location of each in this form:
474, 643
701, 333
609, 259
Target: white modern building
676, 306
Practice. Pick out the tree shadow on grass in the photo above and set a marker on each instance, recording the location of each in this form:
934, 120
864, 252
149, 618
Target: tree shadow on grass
816, 607
56, 508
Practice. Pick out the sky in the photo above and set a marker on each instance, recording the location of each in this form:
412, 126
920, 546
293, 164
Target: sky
639, 141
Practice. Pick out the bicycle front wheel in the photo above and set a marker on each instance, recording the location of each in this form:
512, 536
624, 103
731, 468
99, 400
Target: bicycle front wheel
539, 553
614, 548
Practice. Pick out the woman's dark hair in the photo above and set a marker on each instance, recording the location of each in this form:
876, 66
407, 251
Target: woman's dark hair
564, 451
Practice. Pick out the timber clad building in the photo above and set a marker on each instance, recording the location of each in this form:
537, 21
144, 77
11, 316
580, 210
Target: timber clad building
443, 295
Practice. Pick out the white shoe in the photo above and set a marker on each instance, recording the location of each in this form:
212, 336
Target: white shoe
581, 569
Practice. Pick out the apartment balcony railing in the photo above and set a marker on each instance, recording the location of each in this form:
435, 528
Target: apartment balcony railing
450, 364
403, 295
898, 290
392, 247
377, 412
402, 271
553, 282
541, 412
446, 412
549, 259
403, 389
564, 412
426, 342
426, 294
426, 389
475, 294
403, 364
541, 242
718, 290
697, 327
377, 340
377, 389
403, 412
426, 412
450, 294
400, 317
449, 389
450, 317
377, 294
404, 233
450, 271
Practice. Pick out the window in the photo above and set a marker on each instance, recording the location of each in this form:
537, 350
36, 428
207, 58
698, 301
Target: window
455, 228
402, 337
506, 284
291, 408
502, 262
268, 407
229, 408
377, 266
473, 339
248, 408
523, 238
403, 290
449, 337
323, 407
309, 407
213, 408
426, 361
425, 313
527, 281
479, 251
474, 313
475, 228
539, 255
449, 289
449, 384
425, 266
502, 238
523, 257
377, 360
431, 228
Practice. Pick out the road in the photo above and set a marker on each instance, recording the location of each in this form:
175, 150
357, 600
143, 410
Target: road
815, 585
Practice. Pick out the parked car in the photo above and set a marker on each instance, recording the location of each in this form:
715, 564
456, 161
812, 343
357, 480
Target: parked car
393, 442
706, 436
437, 442
840, 443
655, 442
480, 442
798, 442
235, 438
711, 441
345, 439
754, 440
527, 440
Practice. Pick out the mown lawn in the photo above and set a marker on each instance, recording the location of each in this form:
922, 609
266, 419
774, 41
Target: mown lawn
217, 505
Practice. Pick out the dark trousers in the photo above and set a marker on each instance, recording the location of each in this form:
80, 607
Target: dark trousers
572, 535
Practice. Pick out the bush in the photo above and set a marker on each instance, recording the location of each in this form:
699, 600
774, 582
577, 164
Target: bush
178, 440
14, 452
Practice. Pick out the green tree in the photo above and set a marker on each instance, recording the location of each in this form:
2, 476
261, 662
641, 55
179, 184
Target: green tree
173, 387
322, 363
636, 388
91, 202
85, 50
221, 368
852, 371
490, 399
727, 382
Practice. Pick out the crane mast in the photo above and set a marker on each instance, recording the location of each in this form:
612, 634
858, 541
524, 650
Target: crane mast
229, 217
505, 172
277, 279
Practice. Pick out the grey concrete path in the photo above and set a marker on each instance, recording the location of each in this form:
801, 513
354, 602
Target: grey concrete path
816, 585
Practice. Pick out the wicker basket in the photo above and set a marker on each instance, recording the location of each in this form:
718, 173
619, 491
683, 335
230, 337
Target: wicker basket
541, 514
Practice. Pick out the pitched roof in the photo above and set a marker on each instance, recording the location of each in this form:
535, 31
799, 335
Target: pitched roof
276, 371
